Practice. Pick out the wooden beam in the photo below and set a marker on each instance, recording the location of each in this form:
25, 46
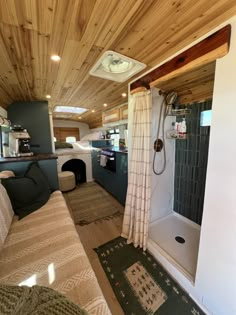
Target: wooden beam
209, 49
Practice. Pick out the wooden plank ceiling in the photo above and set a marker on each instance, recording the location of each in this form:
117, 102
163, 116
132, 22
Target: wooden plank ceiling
195, 85
80, 31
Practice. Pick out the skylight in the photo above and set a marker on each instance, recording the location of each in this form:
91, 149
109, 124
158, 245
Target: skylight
69, 109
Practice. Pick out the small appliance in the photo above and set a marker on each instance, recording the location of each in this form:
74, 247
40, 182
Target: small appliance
19, 142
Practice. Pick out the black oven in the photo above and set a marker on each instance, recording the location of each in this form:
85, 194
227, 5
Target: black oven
108, 159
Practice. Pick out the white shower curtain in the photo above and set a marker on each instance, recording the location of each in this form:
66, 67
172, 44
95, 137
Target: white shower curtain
137, 207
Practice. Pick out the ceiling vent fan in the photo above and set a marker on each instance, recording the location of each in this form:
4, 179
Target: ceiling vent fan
116, 67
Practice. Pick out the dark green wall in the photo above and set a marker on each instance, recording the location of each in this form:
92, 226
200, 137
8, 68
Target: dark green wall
191, 156
34, 117
49, 167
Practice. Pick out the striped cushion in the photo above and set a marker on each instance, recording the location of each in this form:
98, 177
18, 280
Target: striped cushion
44, 249
6, 214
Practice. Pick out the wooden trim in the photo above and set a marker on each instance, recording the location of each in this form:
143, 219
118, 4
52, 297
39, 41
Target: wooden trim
209, 49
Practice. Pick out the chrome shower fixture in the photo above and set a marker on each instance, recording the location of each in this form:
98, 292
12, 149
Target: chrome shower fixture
171, 98
159, 144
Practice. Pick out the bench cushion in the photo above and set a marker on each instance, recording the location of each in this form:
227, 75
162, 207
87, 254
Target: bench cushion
44, 249
6, 214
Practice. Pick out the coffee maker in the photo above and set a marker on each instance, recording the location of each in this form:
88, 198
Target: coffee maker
19, 142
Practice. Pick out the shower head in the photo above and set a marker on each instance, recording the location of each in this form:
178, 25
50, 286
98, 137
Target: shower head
170, 98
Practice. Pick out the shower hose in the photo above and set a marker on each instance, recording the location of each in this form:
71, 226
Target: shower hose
169, 99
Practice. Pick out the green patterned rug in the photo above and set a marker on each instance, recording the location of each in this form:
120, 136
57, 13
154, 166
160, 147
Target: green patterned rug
140, 284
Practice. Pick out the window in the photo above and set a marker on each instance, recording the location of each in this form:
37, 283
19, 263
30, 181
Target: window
113, 131
116, 138
205, 118
70, 139
115, 135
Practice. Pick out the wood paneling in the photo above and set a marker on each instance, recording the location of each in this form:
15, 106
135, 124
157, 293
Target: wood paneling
192, 86
209, 49
80, 31
61, 133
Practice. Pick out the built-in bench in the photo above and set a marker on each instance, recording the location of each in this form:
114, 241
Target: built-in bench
44, 249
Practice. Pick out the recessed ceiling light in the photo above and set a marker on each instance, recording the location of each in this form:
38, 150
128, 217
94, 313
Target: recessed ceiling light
123, 94
69, 109
55, 58
93, 111
48, 96
105, 105
116, 67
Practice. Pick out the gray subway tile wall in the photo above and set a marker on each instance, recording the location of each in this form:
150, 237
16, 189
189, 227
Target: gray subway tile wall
191, 156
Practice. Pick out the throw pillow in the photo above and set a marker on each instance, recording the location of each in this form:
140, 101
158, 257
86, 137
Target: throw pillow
28, 193
6, 214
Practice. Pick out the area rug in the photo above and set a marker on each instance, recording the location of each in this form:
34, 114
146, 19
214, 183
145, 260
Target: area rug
140, 283
89, 203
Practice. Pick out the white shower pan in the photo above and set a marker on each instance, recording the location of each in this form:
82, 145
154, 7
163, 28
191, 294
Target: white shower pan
163, 245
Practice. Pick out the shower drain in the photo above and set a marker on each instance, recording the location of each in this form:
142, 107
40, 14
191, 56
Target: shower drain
180, 239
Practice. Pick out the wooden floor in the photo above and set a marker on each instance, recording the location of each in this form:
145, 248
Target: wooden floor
93, 235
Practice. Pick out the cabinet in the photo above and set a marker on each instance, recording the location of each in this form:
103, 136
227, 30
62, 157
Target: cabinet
121, 177
124, 112
115, 183
115, 116
111, 116
34, 117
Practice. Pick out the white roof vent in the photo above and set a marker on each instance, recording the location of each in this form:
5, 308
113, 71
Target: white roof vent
116, 67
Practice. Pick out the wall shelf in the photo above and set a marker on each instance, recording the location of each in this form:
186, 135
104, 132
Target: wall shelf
171, 134
178, 112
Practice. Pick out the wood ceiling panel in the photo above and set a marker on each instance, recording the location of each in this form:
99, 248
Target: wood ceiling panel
172, 26
80, 31
192, 86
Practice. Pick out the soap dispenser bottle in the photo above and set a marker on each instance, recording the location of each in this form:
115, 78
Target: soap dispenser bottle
183, 129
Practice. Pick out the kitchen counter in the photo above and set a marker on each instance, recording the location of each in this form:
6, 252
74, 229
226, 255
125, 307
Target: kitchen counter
117, 149
35, 157
112, 148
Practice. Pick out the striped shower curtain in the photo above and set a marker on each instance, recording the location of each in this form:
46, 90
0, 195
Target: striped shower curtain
137, 207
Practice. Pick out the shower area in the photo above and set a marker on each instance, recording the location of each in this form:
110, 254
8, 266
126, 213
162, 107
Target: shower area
178, 184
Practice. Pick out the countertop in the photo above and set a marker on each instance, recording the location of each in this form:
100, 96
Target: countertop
112, 148
35, 157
